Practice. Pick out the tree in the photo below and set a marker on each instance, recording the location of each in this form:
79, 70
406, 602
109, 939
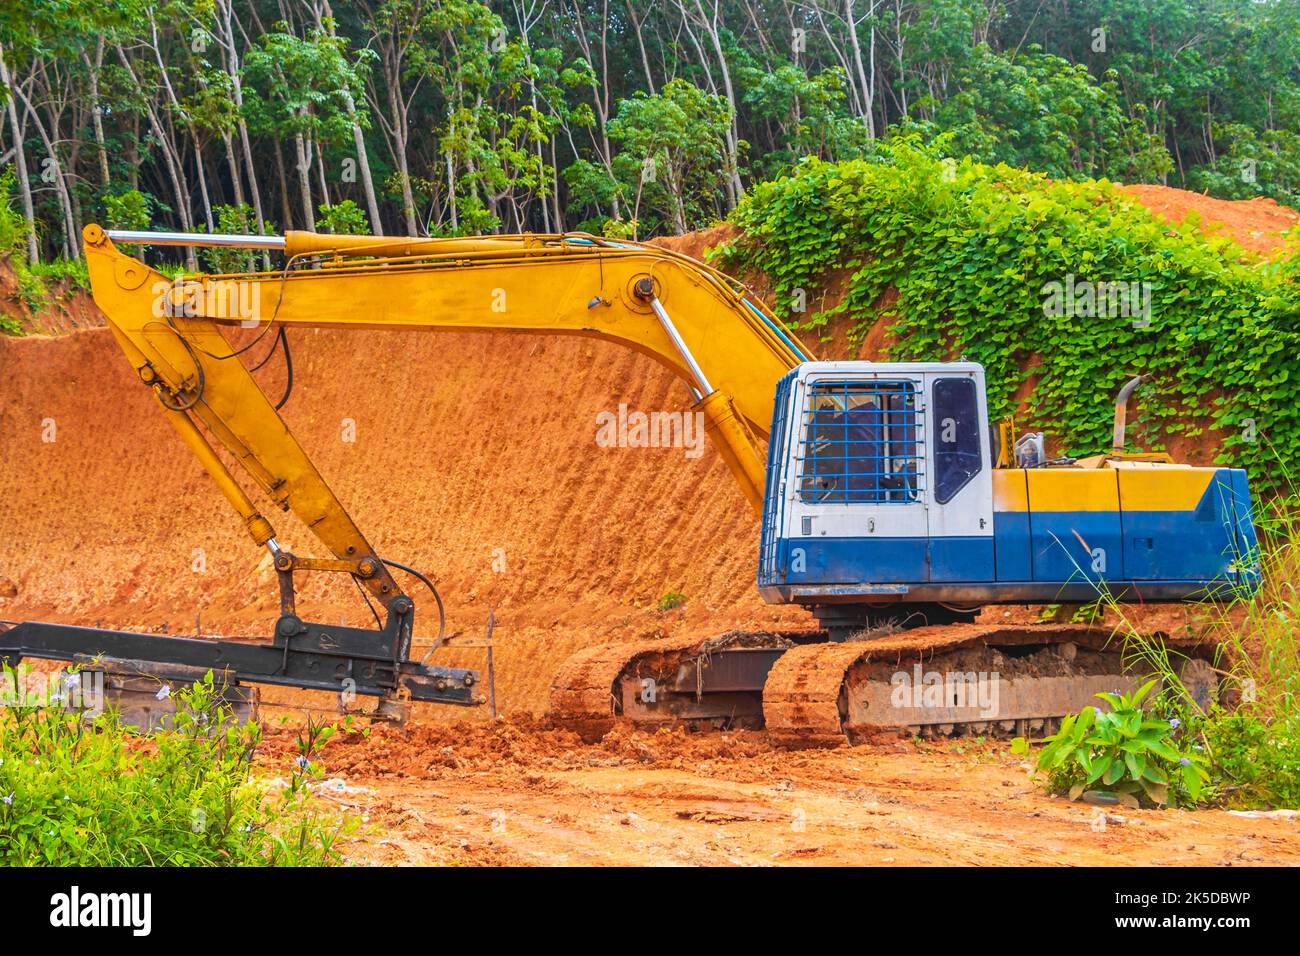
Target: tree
674, 149
306, 88
1043, 113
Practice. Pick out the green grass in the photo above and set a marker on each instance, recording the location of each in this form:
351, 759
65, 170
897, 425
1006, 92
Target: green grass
77, 791
672, 599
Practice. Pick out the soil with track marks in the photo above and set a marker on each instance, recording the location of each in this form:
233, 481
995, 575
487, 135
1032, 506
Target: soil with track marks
518, 793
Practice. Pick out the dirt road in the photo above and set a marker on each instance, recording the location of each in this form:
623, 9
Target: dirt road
518, 793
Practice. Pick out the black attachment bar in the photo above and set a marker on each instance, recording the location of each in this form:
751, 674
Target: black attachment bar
302, 654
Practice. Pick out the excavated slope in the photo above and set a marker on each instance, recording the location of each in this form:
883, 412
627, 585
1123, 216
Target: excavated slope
474, 459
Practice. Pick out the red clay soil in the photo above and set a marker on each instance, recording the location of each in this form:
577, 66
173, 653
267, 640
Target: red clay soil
517, 792
1255, 224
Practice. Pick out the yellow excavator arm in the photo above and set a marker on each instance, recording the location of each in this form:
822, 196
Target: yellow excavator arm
692, 319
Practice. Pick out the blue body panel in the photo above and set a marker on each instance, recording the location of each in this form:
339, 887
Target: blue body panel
1066, 545
962, 559
820, 560
1014, 555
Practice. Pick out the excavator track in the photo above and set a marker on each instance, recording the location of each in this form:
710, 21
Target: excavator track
936, 681
711, 682
939, 680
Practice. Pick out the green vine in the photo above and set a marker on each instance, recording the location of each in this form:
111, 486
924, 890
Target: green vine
978, 256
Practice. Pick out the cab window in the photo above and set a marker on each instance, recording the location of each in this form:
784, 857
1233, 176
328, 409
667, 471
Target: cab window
956, 429
860, 443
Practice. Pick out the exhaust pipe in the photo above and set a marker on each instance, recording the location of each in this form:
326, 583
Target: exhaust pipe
1121, 413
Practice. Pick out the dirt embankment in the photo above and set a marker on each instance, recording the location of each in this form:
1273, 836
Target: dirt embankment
474, 459
1255, 224
53, 309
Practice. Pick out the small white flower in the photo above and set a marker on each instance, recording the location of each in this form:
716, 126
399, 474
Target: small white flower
164, 692
9, 800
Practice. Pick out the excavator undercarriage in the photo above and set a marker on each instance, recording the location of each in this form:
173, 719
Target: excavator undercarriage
934, 681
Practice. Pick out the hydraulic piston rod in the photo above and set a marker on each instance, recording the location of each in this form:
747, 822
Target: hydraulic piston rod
138, 238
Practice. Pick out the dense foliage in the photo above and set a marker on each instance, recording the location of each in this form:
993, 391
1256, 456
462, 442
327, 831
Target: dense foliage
77, 791
633, 117
979, 256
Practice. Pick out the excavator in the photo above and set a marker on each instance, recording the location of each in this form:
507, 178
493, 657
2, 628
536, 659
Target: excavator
888, 506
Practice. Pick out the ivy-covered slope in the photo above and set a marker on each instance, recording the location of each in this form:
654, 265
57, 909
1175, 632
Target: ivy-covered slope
1020, 273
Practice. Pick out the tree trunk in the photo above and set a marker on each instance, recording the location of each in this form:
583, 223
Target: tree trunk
20, 160
363, 161
96, 118
170, 160
359, 141
203, 184
225, 16
236, 180
71, 247
735, 189
451, 192
285, 209
399, 154
320, 174
868, 108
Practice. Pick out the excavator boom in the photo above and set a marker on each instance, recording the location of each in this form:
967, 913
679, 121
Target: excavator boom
181, 336
174, 334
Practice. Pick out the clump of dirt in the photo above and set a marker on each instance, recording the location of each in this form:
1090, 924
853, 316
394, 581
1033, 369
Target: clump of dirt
697, 244
436, 750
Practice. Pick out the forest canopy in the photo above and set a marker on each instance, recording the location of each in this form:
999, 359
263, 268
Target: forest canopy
627, 117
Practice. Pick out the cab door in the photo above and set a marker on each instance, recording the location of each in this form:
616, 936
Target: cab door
960, 489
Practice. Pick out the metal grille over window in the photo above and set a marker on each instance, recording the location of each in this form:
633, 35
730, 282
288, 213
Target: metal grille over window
862, 442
